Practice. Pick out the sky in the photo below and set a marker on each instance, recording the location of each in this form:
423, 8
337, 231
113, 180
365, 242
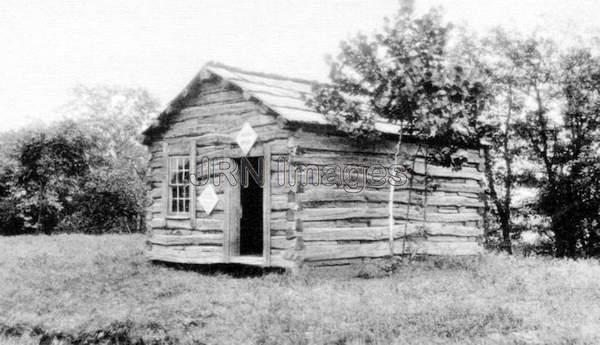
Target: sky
48, 47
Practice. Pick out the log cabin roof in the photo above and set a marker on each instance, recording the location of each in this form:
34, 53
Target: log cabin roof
283, 96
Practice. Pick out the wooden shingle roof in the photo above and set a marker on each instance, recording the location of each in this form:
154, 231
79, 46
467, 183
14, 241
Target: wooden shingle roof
284, 96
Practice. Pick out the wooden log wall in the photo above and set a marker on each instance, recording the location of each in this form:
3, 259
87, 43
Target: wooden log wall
437, 211
209, 123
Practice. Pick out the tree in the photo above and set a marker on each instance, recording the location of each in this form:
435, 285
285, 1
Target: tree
82, 174
114, 117
572, 196
51, 166
503, 59
11, 218
402, 75
557, 117
109, 201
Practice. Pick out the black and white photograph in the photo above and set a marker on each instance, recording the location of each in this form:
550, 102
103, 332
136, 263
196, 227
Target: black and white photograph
334, 172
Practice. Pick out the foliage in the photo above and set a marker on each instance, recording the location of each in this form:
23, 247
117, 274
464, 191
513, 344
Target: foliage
11, 219
109, 201
402, 75
81, 174
571, 197
543, 121
51, 167
114, 117
511, 65
534, 106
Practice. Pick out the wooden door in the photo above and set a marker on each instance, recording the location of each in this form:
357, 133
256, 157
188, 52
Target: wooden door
233, 213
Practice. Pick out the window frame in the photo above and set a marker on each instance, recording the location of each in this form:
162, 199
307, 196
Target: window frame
180, 184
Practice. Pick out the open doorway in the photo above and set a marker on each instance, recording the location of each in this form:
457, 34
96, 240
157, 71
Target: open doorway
251, 200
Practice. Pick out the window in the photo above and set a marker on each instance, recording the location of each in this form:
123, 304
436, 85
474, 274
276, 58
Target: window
179, 187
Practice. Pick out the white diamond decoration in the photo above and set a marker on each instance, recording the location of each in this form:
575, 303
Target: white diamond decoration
208, 199
246, 138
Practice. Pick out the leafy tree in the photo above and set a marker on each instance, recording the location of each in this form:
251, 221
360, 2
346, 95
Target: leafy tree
505, 61
108, 202
84, 174
11, 218
571, 197
114, 117
557, 118
401, 74
51, 166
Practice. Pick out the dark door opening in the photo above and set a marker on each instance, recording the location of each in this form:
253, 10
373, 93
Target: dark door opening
251, 197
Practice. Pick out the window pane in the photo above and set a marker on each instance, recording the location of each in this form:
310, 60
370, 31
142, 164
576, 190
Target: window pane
179, 173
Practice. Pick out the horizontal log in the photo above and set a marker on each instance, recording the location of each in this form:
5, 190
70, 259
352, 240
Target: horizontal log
178, 224
209, 224
340, 223
279, 202
438, 171
185, 224
358, 233
282, 225
187, 240
324, 142
189, 249
217, 96
414, 213
266, 127
183, 232
319, 251
158, 222
185, 254
178, 147
281, 242
372, 161
382, 232
325, 193
215, 110
426, 247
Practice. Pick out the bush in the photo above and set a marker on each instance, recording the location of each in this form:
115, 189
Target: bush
11, 219
110, 201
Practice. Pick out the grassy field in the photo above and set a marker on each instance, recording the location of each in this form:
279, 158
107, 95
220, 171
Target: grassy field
101, 290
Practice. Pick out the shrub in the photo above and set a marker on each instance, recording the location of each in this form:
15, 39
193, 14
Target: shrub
110, 201
11, 219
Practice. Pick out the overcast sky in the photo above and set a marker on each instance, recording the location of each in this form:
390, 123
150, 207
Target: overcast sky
50, 46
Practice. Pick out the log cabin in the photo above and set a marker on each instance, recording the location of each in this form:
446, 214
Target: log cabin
288, 213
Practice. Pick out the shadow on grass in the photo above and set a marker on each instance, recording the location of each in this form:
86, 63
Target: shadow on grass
231, 270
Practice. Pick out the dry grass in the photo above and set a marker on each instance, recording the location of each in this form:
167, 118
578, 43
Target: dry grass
80, 285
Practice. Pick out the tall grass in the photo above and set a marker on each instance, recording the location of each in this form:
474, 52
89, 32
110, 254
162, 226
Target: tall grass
92, 286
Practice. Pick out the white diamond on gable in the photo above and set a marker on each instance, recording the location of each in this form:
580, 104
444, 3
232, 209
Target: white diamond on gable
208, 199
246, 138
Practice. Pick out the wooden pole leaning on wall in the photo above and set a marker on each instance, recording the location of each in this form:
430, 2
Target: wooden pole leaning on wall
192, 184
